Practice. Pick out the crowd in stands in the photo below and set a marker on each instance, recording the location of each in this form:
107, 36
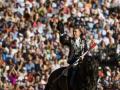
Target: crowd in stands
29, 39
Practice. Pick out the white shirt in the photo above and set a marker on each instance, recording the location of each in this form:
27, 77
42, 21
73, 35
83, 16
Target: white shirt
77, 41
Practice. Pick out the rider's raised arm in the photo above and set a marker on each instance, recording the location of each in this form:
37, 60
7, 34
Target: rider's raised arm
65, 39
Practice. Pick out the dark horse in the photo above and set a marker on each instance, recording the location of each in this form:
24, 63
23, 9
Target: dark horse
85, 77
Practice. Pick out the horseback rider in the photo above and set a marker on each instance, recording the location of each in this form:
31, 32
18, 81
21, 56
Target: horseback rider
77, 46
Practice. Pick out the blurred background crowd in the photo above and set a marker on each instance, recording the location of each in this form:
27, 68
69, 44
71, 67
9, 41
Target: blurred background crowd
29, 39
